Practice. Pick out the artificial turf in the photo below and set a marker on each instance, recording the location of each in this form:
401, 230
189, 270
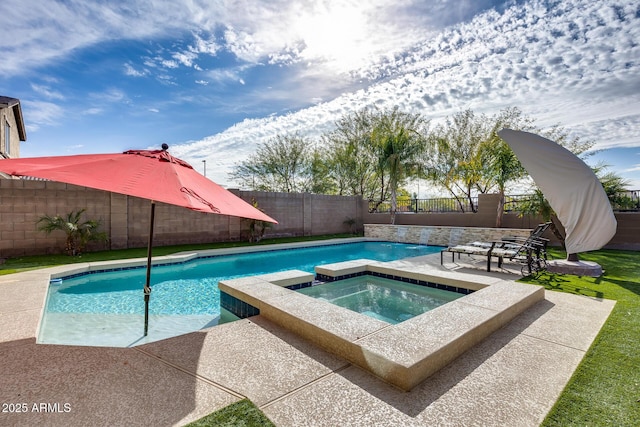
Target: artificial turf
605, 388
239, 414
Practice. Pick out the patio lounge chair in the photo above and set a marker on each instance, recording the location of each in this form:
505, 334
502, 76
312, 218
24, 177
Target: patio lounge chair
514, 240
537, 232
471, 249
530, 251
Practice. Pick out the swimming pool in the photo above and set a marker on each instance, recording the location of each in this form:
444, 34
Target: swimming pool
107, 308
388, 300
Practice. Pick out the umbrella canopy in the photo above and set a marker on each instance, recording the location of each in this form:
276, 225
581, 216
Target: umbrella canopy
571, 187
149, 174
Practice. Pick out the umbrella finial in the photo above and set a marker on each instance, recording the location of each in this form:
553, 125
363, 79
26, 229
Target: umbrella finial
165, 146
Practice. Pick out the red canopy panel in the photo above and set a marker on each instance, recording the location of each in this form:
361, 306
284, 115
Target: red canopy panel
149, 174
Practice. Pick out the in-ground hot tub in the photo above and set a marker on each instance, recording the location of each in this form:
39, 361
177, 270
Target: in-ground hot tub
404, 354
389, 300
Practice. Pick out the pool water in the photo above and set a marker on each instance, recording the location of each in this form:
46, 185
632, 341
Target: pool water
388, 300
108, 308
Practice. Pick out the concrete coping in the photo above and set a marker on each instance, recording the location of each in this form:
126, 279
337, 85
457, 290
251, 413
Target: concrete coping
288, 278
88, 267
450, 278
404, 354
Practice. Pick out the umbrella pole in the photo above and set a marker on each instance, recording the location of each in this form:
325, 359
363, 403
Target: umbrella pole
147, 287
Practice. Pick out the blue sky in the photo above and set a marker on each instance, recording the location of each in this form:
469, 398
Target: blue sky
214, 79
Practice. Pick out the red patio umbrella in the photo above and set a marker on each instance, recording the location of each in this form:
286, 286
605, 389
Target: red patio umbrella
149, 174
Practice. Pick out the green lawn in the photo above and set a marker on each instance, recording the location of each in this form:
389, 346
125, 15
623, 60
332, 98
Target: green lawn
239, 414
605, 389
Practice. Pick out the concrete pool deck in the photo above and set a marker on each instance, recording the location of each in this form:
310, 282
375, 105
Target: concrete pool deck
513, 377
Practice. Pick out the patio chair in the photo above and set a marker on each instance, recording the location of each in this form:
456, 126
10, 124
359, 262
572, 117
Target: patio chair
537, 232
531, 252
470, 249
515, 241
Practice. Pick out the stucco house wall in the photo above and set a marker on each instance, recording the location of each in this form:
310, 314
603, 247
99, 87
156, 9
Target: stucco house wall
11, 120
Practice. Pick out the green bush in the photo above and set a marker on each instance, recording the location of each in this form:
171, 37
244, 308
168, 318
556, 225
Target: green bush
78, 232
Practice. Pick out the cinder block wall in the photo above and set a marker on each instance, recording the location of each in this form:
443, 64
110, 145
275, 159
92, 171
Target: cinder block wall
306, 214
126, 219
174, 225
22, 203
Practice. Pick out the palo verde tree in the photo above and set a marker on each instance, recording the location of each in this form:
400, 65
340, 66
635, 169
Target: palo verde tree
453, 160
351, 156
283, 163
466, 157
319, 180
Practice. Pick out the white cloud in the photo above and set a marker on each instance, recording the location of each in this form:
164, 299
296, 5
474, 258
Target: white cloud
44, 31
112, 95
226, 75
41, 113
570, 68
47, 92
93, 111
185, 58
169, 63
209, 46
255, 31
635, 168
129, 70
573, 63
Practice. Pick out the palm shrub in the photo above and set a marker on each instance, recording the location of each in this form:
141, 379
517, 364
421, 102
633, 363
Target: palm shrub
616, 188
78, 232
257, 228
537, 204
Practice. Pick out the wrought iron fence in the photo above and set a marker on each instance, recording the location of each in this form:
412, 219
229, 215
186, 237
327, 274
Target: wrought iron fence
514, 203
437, 205
628, 201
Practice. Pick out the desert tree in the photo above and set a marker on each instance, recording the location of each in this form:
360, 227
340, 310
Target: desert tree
399, 141
351, 156
452, 161
283, 163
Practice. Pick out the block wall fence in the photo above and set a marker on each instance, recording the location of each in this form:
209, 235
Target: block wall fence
126, 219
